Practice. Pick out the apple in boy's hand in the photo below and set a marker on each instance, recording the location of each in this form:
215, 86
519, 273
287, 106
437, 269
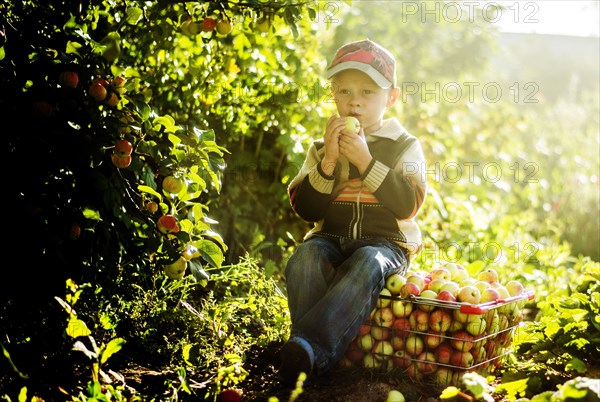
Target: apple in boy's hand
352, 124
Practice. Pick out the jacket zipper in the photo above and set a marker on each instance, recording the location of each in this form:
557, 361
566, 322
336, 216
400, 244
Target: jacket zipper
358, 214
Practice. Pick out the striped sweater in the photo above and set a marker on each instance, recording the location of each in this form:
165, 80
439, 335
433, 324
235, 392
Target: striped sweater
383, 202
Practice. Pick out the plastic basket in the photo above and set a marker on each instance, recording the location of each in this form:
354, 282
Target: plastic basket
433, 340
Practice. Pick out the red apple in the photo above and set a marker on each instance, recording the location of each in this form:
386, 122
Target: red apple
364, 329
401, 358
354, 353
98, 92
426, 363
121, 161
419, 320
441, 273
462, 341
401, 327
432, 340
381, 333
461, 359
417, 279
42, 108
443, 353
123, 147
445, 295
167, 224
208, 24
118, 84
229, 395
440, 320
68, 79
413, 372
409, 289
383, 317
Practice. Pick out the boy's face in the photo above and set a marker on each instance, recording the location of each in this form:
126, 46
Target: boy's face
356, 94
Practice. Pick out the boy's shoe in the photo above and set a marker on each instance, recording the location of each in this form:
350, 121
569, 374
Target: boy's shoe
296, 357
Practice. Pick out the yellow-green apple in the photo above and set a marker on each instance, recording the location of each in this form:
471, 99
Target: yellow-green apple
476, 325
462, 341
167, 224
417, 279
436, 285
401, 308
120, 161
501, 290
371, 361
489, 295
414, 345
461, 359
352, 124
445, 295
482, 285
459, 316
455, 326
493, 322
366, 342
467, 282
461, 274
432, 340
441, 273
443, 353
118, 84
395, 396
451, 286
401, 327
427, 294
440, 320
419, 320
401, 358
381, 333
514, 287
469, 294
479, 353
123, 147
394, 283
97, 91
176, 270
444, 376
384, 317
224, 27
68, 79
386, 299
190, 27
263, 24
408, 289
383, 349
172, 184
489, 275
426, 362
450, 266
190, 252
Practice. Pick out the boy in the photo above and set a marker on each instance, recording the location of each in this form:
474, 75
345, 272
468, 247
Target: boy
362, 189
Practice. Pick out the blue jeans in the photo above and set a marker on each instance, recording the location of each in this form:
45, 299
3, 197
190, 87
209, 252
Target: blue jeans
332, 287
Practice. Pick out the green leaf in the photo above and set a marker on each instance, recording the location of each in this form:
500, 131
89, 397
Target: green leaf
111, 348
149, 190
514, 389
134, 15
449, 393
77, 328
73, 47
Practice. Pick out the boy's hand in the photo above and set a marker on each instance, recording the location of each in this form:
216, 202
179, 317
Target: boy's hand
354, 147
333, 131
